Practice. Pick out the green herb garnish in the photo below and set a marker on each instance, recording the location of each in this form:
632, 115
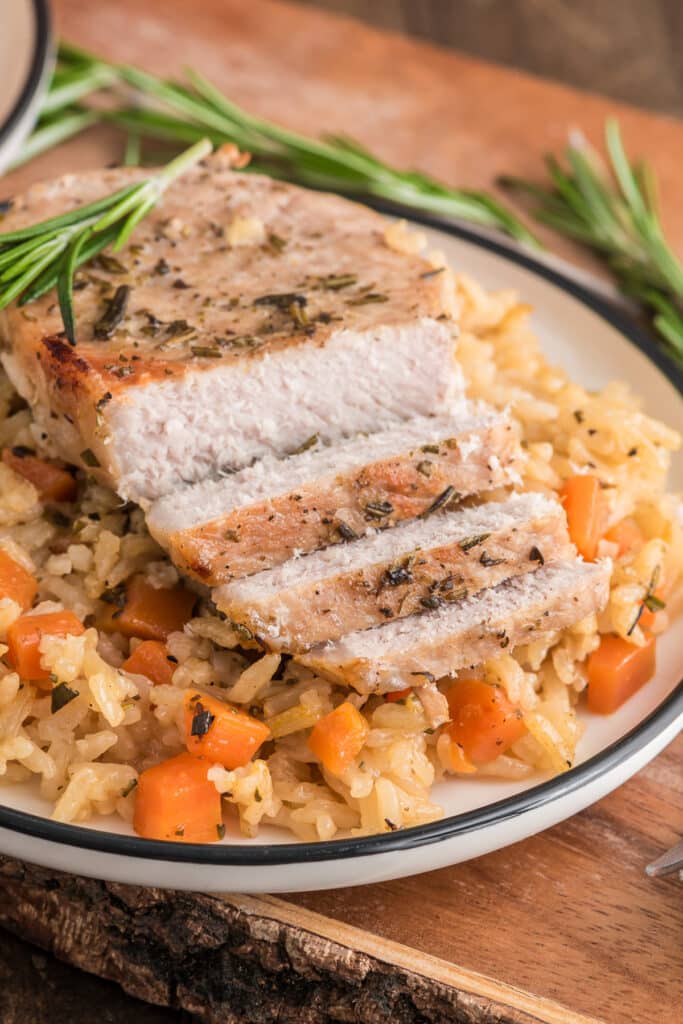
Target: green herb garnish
186, 111
614, 211
36, 258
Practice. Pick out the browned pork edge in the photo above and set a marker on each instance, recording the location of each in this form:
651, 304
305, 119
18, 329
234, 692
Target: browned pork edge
419, 649
450, 564
339, 506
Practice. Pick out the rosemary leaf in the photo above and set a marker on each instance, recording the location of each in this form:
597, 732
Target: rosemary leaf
196, 108
65, 278
614, 211
41, 255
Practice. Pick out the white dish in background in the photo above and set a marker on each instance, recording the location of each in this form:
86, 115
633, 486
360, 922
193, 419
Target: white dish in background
580, 333
25, 62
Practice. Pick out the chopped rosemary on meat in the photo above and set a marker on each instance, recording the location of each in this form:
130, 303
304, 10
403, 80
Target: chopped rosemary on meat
345, 530
281, 300
109, 263
113, 314
472, 542
311, 442
276, 243
425, 467
335, 282
127, 790
488, 561
445, 498
364, 300
378, 509
179, 330
41, 256
536, 555
89, 458
397, 575
206, 352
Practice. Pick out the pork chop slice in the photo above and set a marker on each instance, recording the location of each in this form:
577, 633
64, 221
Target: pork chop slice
251, 315
391, 574
411, 651
262, 515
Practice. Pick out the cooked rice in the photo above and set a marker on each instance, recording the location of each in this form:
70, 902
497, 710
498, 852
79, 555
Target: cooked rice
87, 756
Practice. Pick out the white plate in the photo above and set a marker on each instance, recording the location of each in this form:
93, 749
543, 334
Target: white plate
25, 62
581, 334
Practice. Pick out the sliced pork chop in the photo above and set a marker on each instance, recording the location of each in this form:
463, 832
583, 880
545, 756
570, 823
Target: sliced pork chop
251, 315
260, 516
409, 652
395, 573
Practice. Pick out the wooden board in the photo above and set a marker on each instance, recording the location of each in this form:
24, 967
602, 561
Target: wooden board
568, 917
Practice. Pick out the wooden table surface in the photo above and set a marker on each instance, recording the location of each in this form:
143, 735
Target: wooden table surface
568, 915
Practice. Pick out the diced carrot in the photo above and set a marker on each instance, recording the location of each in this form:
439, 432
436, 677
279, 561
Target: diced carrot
221, 732
25, 634
175, 800
626, 534
150, 659
16, 582
616, 670
53, 482
484, 722
585, 507
338, 738
396, 695
148, 613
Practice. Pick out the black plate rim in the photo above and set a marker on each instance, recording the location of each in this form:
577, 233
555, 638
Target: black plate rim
552, 790
41, 52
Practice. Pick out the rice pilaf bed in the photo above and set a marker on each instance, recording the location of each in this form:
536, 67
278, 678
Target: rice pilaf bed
88, 747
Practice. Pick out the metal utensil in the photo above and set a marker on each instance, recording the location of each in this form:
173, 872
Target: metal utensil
669, 862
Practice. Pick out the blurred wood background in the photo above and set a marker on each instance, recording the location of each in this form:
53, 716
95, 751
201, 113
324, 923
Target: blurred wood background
628, 49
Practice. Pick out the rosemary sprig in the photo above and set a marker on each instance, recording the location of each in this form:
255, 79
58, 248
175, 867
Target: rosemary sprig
614, 211
36, 258
76, 77
195, 108
53, 130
